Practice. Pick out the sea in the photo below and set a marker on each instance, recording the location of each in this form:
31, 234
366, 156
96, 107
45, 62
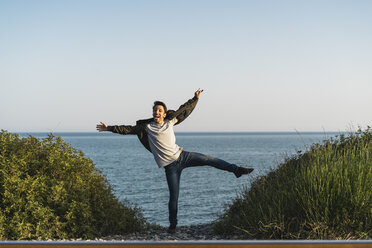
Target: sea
205, 192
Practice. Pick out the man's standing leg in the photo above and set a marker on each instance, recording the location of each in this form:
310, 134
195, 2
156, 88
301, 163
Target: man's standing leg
173, 174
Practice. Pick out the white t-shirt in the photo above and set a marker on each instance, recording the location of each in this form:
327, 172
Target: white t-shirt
163, 142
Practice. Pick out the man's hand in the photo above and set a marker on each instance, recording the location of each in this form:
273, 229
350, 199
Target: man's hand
102, 127
198, 92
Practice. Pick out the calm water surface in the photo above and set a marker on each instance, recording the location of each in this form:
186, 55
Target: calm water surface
205, 191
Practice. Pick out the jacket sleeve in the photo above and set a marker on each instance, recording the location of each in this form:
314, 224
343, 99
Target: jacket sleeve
123, 129
183, 111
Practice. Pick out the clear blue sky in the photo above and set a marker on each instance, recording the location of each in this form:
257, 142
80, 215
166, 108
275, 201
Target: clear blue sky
263, 65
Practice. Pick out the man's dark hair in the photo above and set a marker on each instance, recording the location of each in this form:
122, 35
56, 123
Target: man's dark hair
156, 103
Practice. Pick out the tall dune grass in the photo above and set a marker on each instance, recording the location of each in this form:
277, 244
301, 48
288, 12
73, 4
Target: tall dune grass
323, 193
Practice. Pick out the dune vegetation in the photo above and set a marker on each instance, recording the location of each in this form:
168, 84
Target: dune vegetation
322, 193
49, 190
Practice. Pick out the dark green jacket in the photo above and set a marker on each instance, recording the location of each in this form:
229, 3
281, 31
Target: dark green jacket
140, 128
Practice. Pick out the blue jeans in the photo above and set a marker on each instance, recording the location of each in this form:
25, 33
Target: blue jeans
173, 172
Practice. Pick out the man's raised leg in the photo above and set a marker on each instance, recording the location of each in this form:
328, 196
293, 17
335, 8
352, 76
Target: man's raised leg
198, 159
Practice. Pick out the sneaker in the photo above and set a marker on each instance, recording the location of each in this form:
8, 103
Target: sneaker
241, 171
172, 229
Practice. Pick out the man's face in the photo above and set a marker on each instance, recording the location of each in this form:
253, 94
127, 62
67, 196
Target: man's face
159, 114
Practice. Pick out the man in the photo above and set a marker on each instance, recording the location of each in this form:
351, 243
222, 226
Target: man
157, 135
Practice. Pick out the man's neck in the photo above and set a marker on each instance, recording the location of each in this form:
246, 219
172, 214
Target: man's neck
159, 123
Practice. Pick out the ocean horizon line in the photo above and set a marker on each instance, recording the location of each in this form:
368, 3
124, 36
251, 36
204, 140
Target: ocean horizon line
192, 133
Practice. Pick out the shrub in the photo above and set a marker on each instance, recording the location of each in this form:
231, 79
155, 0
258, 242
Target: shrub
49, 190
324, 193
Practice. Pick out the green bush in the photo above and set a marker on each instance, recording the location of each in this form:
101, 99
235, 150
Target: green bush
49, 190
324, 193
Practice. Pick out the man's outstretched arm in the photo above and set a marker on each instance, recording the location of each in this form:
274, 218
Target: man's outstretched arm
122, 129
185, 109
